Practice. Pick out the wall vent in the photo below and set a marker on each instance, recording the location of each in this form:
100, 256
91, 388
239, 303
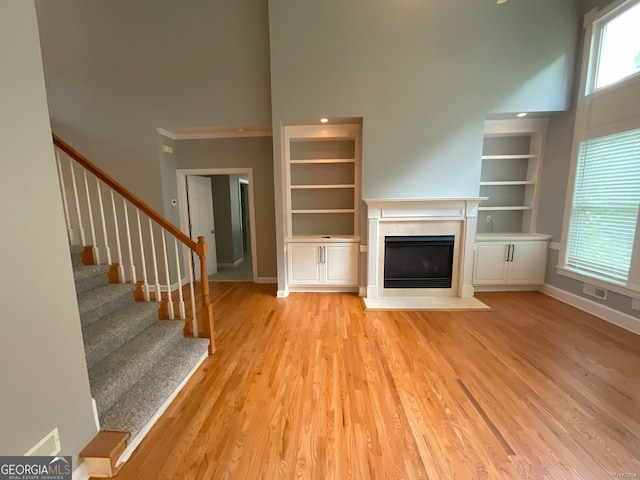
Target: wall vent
49, 446
594, 291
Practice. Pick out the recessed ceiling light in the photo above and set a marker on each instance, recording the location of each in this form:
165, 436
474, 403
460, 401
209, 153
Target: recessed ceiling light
324, 120
522, 115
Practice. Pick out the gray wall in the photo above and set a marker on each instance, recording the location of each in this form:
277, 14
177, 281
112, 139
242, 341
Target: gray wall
553, 188
43, 370
117, 70
255, 153
423, 75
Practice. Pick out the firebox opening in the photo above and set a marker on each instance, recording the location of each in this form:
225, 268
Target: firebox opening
418, 261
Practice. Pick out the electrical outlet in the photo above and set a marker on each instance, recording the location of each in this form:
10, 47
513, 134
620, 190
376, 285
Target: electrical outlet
489, 219
635, 303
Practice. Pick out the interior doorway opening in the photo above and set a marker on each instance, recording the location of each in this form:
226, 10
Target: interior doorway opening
232, 236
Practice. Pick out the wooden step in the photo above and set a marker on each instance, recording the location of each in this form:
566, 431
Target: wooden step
102, 453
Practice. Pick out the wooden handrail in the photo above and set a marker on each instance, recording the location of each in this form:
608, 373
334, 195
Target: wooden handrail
118, 187
205, 319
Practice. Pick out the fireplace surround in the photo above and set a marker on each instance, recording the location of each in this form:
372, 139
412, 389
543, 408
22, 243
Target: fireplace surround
440, 217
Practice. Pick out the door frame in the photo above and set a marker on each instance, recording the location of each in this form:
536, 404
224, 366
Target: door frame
184, 214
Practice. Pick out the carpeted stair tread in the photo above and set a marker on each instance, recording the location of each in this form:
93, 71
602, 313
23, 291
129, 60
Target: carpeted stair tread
134, 408
88, 277
103, 300
117, 372
115, 329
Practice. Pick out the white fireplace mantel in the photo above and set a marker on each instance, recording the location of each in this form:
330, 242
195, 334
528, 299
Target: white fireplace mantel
423, 216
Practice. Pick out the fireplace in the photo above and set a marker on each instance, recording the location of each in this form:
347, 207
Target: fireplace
418, 261
450, 223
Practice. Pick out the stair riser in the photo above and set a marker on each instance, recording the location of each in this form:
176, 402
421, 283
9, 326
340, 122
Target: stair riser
97, 280
92, 315
107, 392
96, 351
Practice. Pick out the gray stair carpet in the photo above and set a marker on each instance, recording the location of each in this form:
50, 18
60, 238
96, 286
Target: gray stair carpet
135, 361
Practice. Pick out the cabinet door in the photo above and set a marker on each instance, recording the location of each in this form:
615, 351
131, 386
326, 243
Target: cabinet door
529, 263
304, 264
341, 264
490, 263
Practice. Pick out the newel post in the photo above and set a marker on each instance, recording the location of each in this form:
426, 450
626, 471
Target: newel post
205, 325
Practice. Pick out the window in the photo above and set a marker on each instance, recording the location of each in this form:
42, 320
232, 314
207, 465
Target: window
619, 52
601, 234
604, 211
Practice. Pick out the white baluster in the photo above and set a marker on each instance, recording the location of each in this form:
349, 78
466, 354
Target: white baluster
155, 263
104, 225
180, 296
145, 285
132, 266
167, 277
194, 319
63, 191
94, 243
83, 239
118, 249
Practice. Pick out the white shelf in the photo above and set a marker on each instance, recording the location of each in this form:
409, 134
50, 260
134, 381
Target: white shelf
322, 180
513, 208
508, 157
325, 160
308, 187
506, 183
326, 210
510, 174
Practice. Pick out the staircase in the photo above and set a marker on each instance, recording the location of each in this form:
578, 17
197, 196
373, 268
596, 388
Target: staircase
131, 267
135, 361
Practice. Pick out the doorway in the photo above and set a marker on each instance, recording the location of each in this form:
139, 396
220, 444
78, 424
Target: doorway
233, 217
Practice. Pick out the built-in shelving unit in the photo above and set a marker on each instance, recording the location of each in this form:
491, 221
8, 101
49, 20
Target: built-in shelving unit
510, 175
323, 202
323, 180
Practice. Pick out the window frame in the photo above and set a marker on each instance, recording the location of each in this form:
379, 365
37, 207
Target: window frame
596, 35
594, 22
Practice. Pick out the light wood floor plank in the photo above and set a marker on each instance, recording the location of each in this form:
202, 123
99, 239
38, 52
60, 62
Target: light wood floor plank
314, 387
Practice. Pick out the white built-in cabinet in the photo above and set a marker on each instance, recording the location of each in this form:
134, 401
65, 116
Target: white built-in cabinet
322, 168
508, 252
323, 264
510, 261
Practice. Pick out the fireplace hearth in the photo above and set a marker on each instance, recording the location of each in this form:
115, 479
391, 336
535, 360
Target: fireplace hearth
418, 261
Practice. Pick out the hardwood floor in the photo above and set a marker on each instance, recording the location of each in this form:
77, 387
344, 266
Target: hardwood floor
312, 386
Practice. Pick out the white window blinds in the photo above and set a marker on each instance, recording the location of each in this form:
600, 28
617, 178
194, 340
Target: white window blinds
604, 213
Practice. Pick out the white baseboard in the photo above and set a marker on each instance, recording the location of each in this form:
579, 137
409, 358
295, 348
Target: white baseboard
602, 311
231, 265
265, 280
362, 292
80, 472
283, 293
133, 444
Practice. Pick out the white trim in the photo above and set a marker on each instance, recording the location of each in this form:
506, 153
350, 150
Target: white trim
601, 311
362, 291
266, 280
203, 133
96, 417
282, 293
181, 175
598, 282
506, 288
324, 289
554, 246
231, 265
80, 472
133, 444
